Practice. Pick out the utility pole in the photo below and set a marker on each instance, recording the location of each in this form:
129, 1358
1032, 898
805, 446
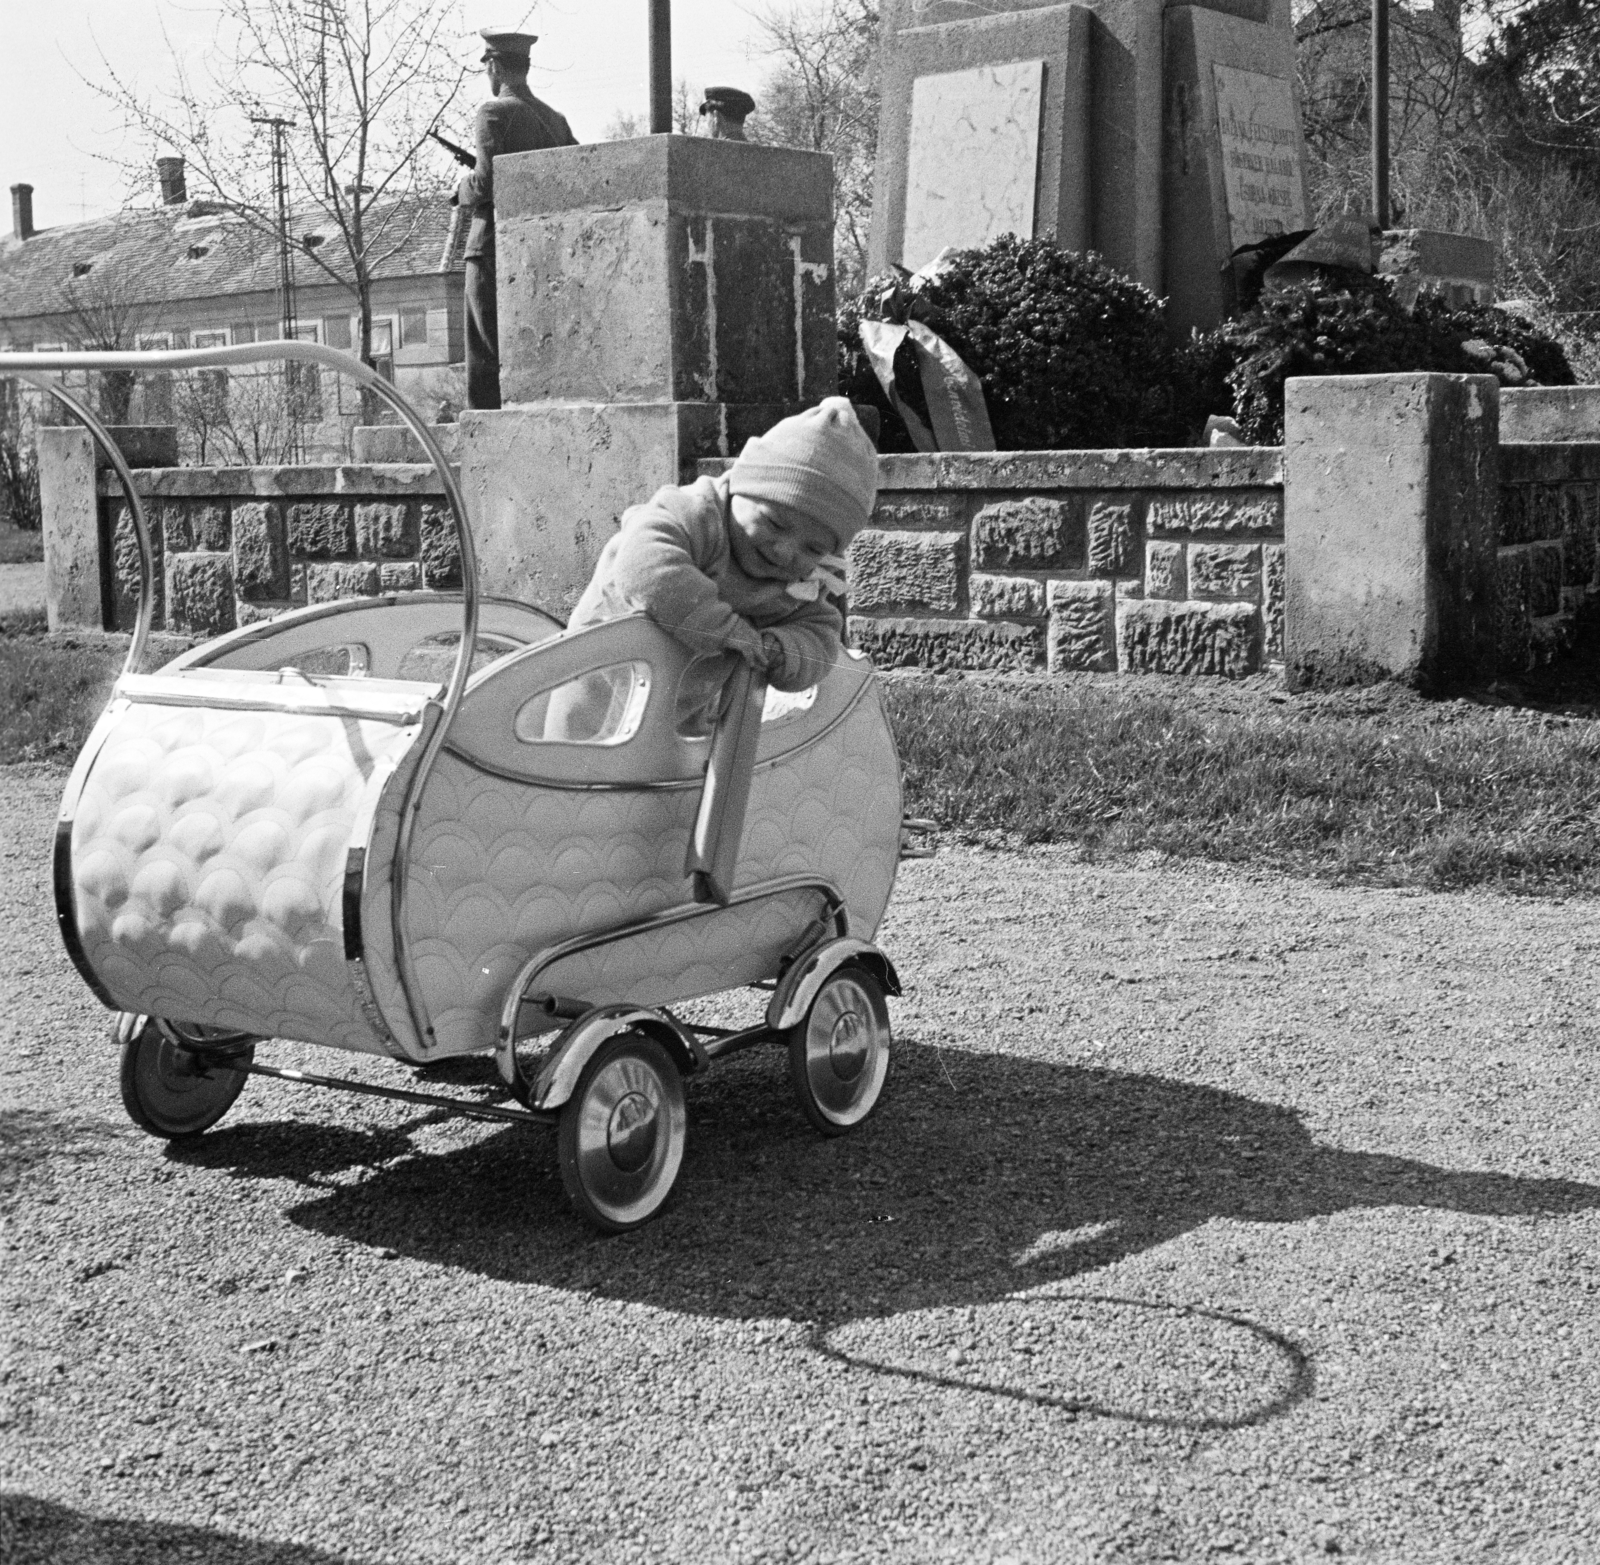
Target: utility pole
1378, 108
660, 67
286, 320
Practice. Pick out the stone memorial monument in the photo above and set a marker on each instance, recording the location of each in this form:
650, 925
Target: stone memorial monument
1161, 136
661, 300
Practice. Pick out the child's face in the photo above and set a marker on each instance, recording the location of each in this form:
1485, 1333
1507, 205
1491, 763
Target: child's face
776, 541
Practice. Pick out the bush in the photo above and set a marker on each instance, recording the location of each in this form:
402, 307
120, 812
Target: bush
1348, 324
1070, 353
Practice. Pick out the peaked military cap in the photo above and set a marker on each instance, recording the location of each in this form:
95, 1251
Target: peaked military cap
509, 45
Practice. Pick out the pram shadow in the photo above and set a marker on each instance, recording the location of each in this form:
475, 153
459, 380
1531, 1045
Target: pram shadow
979, 1177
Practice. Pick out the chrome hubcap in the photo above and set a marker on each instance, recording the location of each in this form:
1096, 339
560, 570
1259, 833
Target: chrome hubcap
630, 1135
846, 1049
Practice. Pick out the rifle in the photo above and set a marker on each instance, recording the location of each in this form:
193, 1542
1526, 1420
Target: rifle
458, 152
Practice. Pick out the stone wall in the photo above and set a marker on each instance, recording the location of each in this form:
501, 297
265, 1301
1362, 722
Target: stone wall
1139, 561
234, 545
1547, 558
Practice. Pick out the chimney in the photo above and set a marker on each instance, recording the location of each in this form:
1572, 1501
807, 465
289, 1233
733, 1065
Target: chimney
22, 211
170, 172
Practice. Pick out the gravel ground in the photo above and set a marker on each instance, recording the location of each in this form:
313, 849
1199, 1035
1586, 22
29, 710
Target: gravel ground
1207, 1216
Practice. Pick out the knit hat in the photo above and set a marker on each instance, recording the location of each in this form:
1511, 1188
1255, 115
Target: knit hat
820, 462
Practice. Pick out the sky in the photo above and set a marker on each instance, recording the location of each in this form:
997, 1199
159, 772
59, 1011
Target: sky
55, 132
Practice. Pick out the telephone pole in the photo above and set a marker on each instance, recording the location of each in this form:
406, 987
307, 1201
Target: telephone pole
286, 320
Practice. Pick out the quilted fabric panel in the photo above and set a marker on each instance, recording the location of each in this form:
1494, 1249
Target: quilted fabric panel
208, 853
501, 870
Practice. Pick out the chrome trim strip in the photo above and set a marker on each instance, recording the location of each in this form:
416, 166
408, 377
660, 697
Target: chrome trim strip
506, 1042
223, 703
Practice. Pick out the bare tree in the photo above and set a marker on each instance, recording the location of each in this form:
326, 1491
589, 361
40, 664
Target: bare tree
823, 96
362, 83
105, 314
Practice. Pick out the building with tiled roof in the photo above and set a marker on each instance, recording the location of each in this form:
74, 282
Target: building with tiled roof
193, 273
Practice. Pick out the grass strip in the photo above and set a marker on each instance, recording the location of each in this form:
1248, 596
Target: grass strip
1379, 787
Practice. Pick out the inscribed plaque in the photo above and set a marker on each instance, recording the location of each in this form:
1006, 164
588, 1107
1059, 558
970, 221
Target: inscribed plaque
1260, 133
974, 157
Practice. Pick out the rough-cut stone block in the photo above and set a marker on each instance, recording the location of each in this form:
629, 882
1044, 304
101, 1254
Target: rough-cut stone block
72, 536
441, 552
1034, 534
1391, 485
208, 524
1583, 534
1544, 579
1244, 511
1111, 539
256, 613
1515, 509
386, 529
906, 570
125, 565
1158, 637
260, 562
1511, 610
1006, 597
919, 512
1164, 575
200, 594
328, 583
1546, 512
172, 518
320, 529
406, 577
1272, 599
949, 644
1225, 570
1082, 626
297, 582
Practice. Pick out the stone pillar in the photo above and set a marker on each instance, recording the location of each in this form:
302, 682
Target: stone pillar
78, 586
1391, 506
73, 592
661, 300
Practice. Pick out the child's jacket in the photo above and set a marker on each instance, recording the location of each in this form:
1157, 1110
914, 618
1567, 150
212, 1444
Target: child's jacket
671, 560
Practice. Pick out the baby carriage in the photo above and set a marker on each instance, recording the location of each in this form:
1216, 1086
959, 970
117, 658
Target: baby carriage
427, 825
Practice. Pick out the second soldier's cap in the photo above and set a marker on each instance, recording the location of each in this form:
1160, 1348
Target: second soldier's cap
500, 41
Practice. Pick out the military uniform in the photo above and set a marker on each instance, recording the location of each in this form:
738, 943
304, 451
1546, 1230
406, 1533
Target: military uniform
514, 121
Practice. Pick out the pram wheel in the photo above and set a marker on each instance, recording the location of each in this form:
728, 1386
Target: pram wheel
622, 1133
174, 1092
839, 1055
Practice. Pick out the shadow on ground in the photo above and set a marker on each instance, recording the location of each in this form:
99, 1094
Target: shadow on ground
38, 1532
980, 1175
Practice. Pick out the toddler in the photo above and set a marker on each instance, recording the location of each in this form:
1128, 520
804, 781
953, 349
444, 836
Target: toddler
741, 566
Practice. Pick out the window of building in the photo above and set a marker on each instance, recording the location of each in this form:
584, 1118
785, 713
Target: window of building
413, 328
336, 331
210, 339
383, 348
242, 331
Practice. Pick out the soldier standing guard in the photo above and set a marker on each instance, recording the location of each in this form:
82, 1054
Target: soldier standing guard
513, 120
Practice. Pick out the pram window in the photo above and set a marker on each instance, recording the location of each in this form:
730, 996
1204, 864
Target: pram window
430, 661
604, 706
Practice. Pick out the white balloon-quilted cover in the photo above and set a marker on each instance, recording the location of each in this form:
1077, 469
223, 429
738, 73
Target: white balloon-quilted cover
208, 852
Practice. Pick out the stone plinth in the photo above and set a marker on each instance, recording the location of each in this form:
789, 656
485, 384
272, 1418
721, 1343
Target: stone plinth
661, 300
1459, 267
665, 269
1390, 516
1233, 150
986, 129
